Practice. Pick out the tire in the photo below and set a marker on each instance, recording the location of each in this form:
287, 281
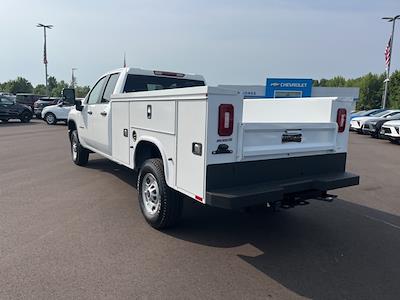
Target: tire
80, 155
166, 209
25, 117
38, 116
394, 141
50, 119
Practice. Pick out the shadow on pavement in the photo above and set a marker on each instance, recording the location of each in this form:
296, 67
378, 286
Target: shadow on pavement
333, 250
12, 123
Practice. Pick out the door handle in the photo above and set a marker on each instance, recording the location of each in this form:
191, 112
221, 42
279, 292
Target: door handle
89, 112
103, 113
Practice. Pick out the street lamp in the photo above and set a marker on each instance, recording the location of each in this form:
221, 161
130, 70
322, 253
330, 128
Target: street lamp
393, 20
45, 51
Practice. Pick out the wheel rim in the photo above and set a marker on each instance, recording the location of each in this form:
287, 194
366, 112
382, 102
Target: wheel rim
74, 149
50, 118
151, 194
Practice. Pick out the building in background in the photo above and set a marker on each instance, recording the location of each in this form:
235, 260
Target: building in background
291, 88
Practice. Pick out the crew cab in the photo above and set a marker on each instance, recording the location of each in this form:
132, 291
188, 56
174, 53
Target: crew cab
189, 140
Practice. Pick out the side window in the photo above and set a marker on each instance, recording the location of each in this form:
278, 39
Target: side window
109, 90
5, 101
95, 93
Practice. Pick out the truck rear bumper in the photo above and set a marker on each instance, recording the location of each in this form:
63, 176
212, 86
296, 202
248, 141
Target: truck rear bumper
243, 184
244, 196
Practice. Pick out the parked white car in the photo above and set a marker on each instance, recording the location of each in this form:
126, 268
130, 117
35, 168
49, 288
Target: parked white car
189, 140
55, 113
391, 130
357, 123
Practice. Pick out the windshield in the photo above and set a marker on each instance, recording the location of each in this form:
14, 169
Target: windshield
380, 114
140, 83
396, 115
391, 114
366, 113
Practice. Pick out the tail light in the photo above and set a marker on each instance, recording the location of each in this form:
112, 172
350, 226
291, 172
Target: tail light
225, 120
341, 119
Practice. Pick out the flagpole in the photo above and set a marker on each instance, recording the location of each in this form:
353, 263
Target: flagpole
390, 19
45, 62
45, 53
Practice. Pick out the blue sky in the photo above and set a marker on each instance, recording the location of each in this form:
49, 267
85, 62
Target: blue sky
229, 42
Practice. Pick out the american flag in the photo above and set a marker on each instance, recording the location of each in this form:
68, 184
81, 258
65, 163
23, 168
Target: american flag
387, 52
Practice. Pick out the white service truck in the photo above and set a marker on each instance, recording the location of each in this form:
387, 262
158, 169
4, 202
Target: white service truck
187, 139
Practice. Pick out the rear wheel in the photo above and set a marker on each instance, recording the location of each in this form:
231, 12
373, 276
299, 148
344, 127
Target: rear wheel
80, 155
50, 119
26, 117
161, 206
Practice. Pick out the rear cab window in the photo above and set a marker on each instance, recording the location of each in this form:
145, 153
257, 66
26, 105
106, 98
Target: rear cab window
142, 83
110, 87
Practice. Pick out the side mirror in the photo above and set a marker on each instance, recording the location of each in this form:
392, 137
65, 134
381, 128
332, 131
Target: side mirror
78, 105
68, 95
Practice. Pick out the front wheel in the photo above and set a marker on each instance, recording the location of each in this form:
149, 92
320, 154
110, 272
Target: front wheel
50, 119
80, 155
160, 205
25, 117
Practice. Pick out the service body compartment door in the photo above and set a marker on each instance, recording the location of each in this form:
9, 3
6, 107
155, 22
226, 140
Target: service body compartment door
266, 140
120, 131
191, 147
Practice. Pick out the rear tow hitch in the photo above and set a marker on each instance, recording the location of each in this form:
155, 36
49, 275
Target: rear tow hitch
291, 202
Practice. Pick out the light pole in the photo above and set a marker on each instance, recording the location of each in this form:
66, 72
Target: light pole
45, 51
73, 78
393, 20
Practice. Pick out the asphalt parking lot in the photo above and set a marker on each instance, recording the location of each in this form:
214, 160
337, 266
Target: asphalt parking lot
70, 232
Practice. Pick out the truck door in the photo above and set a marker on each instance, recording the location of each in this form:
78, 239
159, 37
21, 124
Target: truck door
96, 114
87, 132
101, 125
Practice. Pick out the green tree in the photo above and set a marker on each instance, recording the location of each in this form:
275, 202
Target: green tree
371, 90
323, 82
19, 85
51, 83
337, 81
394, 90
40, 89
57, 90
81, 91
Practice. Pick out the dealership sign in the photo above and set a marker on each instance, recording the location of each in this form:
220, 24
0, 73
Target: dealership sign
288, 87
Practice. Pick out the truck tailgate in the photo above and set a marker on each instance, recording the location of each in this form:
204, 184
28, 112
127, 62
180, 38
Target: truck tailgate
268, 139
